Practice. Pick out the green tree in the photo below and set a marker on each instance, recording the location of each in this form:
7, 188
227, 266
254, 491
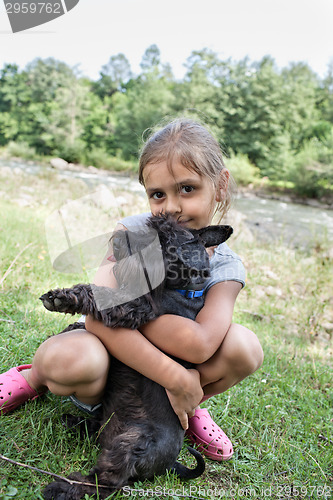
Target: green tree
252, 113
278, 120
199, 93
71, 106
15, 96
113, 76
95, 127
299, 103
151, 59
151, 63
47, 79
148, 100
46, 76
322, 129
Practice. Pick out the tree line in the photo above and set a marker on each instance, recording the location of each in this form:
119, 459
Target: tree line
271, 123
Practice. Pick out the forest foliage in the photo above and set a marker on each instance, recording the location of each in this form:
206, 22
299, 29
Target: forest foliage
272, 123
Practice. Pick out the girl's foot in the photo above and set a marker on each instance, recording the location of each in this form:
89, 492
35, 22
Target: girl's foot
208, 436
14, 389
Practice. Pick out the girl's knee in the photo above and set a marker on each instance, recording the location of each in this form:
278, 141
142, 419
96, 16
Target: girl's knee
245, 352
71, 358
239, 355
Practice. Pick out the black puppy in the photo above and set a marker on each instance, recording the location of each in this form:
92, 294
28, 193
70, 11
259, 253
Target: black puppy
141, 435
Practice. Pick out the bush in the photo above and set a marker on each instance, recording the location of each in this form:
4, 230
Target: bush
21, 150
242, 170
101, 159
325, 148
73, 153
310, 176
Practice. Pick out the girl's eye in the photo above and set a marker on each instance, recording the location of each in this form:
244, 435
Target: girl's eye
187, 189
157, 196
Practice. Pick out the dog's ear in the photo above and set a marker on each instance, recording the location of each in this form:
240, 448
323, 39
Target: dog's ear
127, 243
214, 235
118, 241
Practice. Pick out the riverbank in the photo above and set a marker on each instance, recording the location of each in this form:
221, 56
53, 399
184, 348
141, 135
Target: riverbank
263, 190
286, 195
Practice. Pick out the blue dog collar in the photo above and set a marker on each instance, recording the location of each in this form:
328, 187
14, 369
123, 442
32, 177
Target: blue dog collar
191, 294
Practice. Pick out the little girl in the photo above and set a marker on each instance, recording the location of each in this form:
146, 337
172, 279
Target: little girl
182, 170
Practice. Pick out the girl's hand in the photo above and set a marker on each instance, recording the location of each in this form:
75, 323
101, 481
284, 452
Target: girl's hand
185, 398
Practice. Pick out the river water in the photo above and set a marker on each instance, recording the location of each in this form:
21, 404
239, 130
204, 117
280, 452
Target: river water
295, 224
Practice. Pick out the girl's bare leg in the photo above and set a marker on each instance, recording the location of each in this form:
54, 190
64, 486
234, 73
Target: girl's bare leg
74, 362
239, 355
77, 363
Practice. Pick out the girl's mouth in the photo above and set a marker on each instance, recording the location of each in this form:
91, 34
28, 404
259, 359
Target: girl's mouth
183, 222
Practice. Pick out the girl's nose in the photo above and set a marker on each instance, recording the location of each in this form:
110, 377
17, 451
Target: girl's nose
172, 205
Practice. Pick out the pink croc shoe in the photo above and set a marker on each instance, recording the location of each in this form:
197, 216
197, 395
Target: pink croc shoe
208, 436
14, 389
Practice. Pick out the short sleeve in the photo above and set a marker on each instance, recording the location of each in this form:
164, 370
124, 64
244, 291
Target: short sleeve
226, 265
135, 221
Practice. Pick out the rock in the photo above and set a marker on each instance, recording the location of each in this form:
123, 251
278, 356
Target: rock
121, 200
272, 291
269, 273
327, 326
93, 169
105, 198
25, 200
6, 171
59, 163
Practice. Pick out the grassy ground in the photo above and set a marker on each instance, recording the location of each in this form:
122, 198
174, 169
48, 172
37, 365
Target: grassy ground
279, 419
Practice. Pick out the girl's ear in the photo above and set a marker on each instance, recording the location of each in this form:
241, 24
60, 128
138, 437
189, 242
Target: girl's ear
222, 185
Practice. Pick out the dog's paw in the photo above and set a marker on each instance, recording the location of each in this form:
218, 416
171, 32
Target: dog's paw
53, 302
60, 490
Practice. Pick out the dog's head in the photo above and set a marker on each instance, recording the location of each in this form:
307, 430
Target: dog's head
166, 251
186, 258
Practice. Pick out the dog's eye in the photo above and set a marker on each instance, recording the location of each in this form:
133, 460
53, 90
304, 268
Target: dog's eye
205, 273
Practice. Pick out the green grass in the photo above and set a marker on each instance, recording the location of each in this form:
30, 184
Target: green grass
279, 419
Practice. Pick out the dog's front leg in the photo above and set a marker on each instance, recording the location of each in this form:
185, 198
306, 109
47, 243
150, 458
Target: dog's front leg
76, 300
111, 306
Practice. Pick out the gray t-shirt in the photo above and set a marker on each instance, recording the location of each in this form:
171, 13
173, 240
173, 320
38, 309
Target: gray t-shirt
225, 265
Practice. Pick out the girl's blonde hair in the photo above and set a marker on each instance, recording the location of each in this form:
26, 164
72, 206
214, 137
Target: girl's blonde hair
195, 147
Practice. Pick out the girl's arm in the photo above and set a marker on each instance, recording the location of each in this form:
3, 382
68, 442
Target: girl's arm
134, 350
196, 341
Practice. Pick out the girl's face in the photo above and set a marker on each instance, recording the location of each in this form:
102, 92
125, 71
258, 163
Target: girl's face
183, 193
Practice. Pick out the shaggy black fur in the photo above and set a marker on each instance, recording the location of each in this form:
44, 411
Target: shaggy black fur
141, 434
